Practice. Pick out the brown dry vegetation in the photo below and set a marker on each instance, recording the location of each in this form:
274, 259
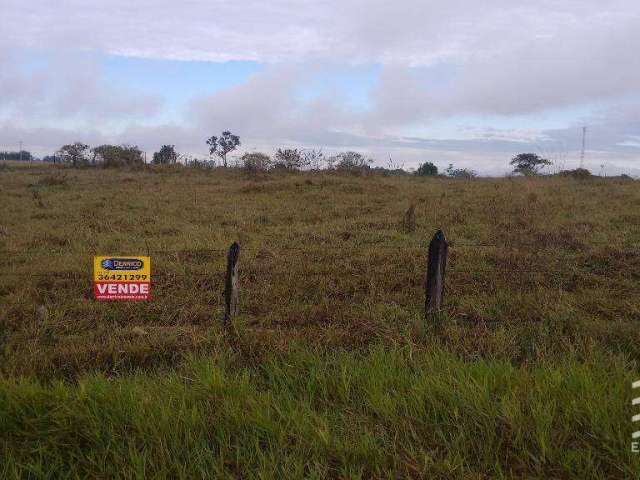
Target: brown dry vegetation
538, 266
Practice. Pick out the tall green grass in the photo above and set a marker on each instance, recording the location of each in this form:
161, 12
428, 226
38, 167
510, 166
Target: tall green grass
383, 413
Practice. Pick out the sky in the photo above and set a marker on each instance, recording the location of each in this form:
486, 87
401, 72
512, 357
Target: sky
450, 82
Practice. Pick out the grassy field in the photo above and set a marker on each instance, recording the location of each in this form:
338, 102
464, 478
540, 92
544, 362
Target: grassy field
330, 370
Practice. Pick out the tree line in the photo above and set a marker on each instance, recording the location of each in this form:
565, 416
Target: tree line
20, 155
288, 159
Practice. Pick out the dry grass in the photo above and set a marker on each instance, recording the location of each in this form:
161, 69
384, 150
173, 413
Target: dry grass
537, 265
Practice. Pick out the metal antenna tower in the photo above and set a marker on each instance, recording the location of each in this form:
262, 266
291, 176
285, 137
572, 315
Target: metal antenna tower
584, 135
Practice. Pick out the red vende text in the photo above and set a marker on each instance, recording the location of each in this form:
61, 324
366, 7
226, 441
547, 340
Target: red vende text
121, 290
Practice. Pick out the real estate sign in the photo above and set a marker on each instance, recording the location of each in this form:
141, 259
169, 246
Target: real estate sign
122, 277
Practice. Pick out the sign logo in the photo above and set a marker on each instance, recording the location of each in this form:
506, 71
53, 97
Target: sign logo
122, 264
635, 444
121, 278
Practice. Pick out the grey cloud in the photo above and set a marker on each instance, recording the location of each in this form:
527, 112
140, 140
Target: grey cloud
45, 140
407, 31
261, 105
504, 58
267, 107
69, 86
581, 63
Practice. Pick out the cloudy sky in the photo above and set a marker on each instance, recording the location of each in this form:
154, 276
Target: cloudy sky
457, 81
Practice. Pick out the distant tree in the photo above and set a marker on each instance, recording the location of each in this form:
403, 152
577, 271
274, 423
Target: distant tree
222, 145
74, 153
19, 155
132, 155
166, 156
528, 163
255, 162
289, 159
427, 169
313, 158
108, 155
101, 153
331, 162
352, 161
460, 172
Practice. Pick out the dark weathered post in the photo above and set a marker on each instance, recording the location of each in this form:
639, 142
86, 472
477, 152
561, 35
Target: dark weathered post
409, 220
231, 283
436, 264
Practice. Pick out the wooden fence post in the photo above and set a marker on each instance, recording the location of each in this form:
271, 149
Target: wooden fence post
409, 219
231, 283
436, 264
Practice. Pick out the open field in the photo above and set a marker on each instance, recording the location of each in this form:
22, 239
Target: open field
330, 370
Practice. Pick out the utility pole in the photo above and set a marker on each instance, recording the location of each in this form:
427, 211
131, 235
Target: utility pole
584, 135
20, 151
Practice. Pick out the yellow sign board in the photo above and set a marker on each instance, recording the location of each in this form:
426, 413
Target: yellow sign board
122, 277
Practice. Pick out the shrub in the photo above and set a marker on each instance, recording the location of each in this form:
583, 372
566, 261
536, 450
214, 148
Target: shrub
118, 155
580, 173
460, 172
352, 162
201, 164
289, 159
427, 169
386, 172
166, 156
255, 162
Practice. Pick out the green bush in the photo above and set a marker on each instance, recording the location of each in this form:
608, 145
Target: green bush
427, 169
579, 173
